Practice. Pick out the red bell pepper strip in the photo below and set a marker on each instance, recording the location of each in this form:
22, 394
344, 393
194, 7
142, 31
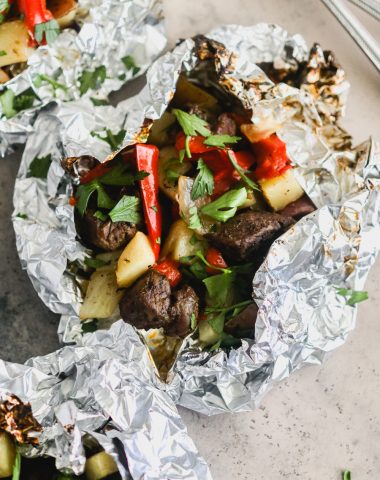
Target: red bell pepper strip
95, 172
169, 268
39, 20
215, 258
147, 161
271, 157
196, 144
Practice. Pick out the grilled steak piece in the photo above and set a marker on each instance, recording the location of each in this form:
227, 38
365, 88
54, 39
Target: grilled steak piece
185, 304
248, 232
78, 167
243, 325
299, 208
150, 303
147, 303
106, 235
225, 125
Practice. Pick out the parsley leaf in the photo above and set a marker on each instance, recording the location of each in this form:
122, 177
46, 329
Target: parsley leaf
200, 255
87, 327
126, 210
220, 289
2, 53
39, 167
84, 193
41, 77
119, 175
191, 124
193, 322
95, 262
181, 155
237, 306
100, 215
17, 467
225, 207
220, 140
114, 140
97, 102
217, 323
48, 30
6, 102
354, 296
346, 475
11, 104
194, 220
130, 64
92, 80
24, 216
204, 181
198, 270
250, 183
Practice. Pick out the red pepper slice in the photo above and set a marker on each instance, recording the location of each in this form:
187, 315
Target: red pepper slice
215, 258
96, 172
196, 144
169, 268
38, 19
147, 161
271, 157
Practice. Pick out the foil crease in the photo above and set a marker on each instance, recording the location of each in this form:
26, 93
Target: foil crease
301, 317
105, 387
109, 31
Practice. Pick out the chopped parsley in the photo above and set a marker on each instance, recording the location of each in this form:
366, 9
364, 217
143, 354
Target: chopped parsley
154, 208
200, 255
126, 210
86, 190
193, 322
17, 467
39, 167
221, 140
40, 78
11, 104
191, 126
250, 183
98, 102
100, 215
194, 220
114, 140
95, 262
24, 216
225, 207
92, 80
46, 30
204, 181
130, 64
2, 53
353, 296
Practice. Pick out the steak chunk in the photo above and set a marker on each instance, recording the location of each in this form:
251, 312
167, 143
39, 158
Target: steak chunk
243, 325
185, 305
106, 235
147, 303
299, 208
225, 125
248, 232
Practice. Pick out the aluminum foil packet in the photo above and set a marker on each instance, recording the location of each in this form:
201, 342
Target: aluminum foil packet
302, 317
117, 41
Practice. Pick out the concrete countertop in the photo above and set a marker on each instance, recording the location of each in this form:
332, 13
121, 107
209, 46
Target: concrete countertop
323, 419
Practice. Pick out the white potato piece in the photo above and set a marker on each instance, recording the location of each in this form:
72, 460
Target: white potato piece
158, 134
7, 455
99, 466
135, 260
282, 190
102, 295
14, 41
207, 335
168, 160
180, 242
257, 132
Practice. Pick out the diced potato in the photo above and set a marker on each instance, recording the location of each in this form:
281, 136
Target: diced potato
169, 161
159, 132
99, 466
207, 335
7, 455
63, 11
258, 132
14, 41
135, 260
180, 242
189, 94
102, 296
282, 190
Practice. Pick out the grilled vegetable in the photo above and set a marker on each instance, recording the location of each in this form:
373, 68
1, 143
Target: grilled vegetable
7, 455
99, 466
170, 169
181, 242
14, 41
282, 190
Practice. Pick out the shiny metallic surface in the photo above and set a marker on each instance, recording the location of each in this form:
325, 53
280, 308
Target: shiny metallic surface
110, 31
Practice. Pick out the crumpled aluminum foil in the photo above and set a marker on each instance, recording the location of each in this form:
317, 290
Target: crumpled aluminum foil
110, 31
301, 317
105, 387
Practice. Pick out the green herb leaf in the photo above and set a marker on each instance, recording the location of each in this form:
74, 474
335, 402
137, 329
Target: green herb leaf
39, 167
100, 215
250, 183
17, 467
203, 183
193, 322
114, 140
198, 270
354, 296
171, 175
120, 175
84, 193
22, 215
6, 102
346, 475
229, 341
236, 306
181, 155
92, 80
41, 77
200, 255
216, 346
130, 64
48, 30
126, 210
194, 220
2, 53
191, 124
154, 208
220, 289
220, 140
98, 102
25, 100
217, 322
95, 262
225, 207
